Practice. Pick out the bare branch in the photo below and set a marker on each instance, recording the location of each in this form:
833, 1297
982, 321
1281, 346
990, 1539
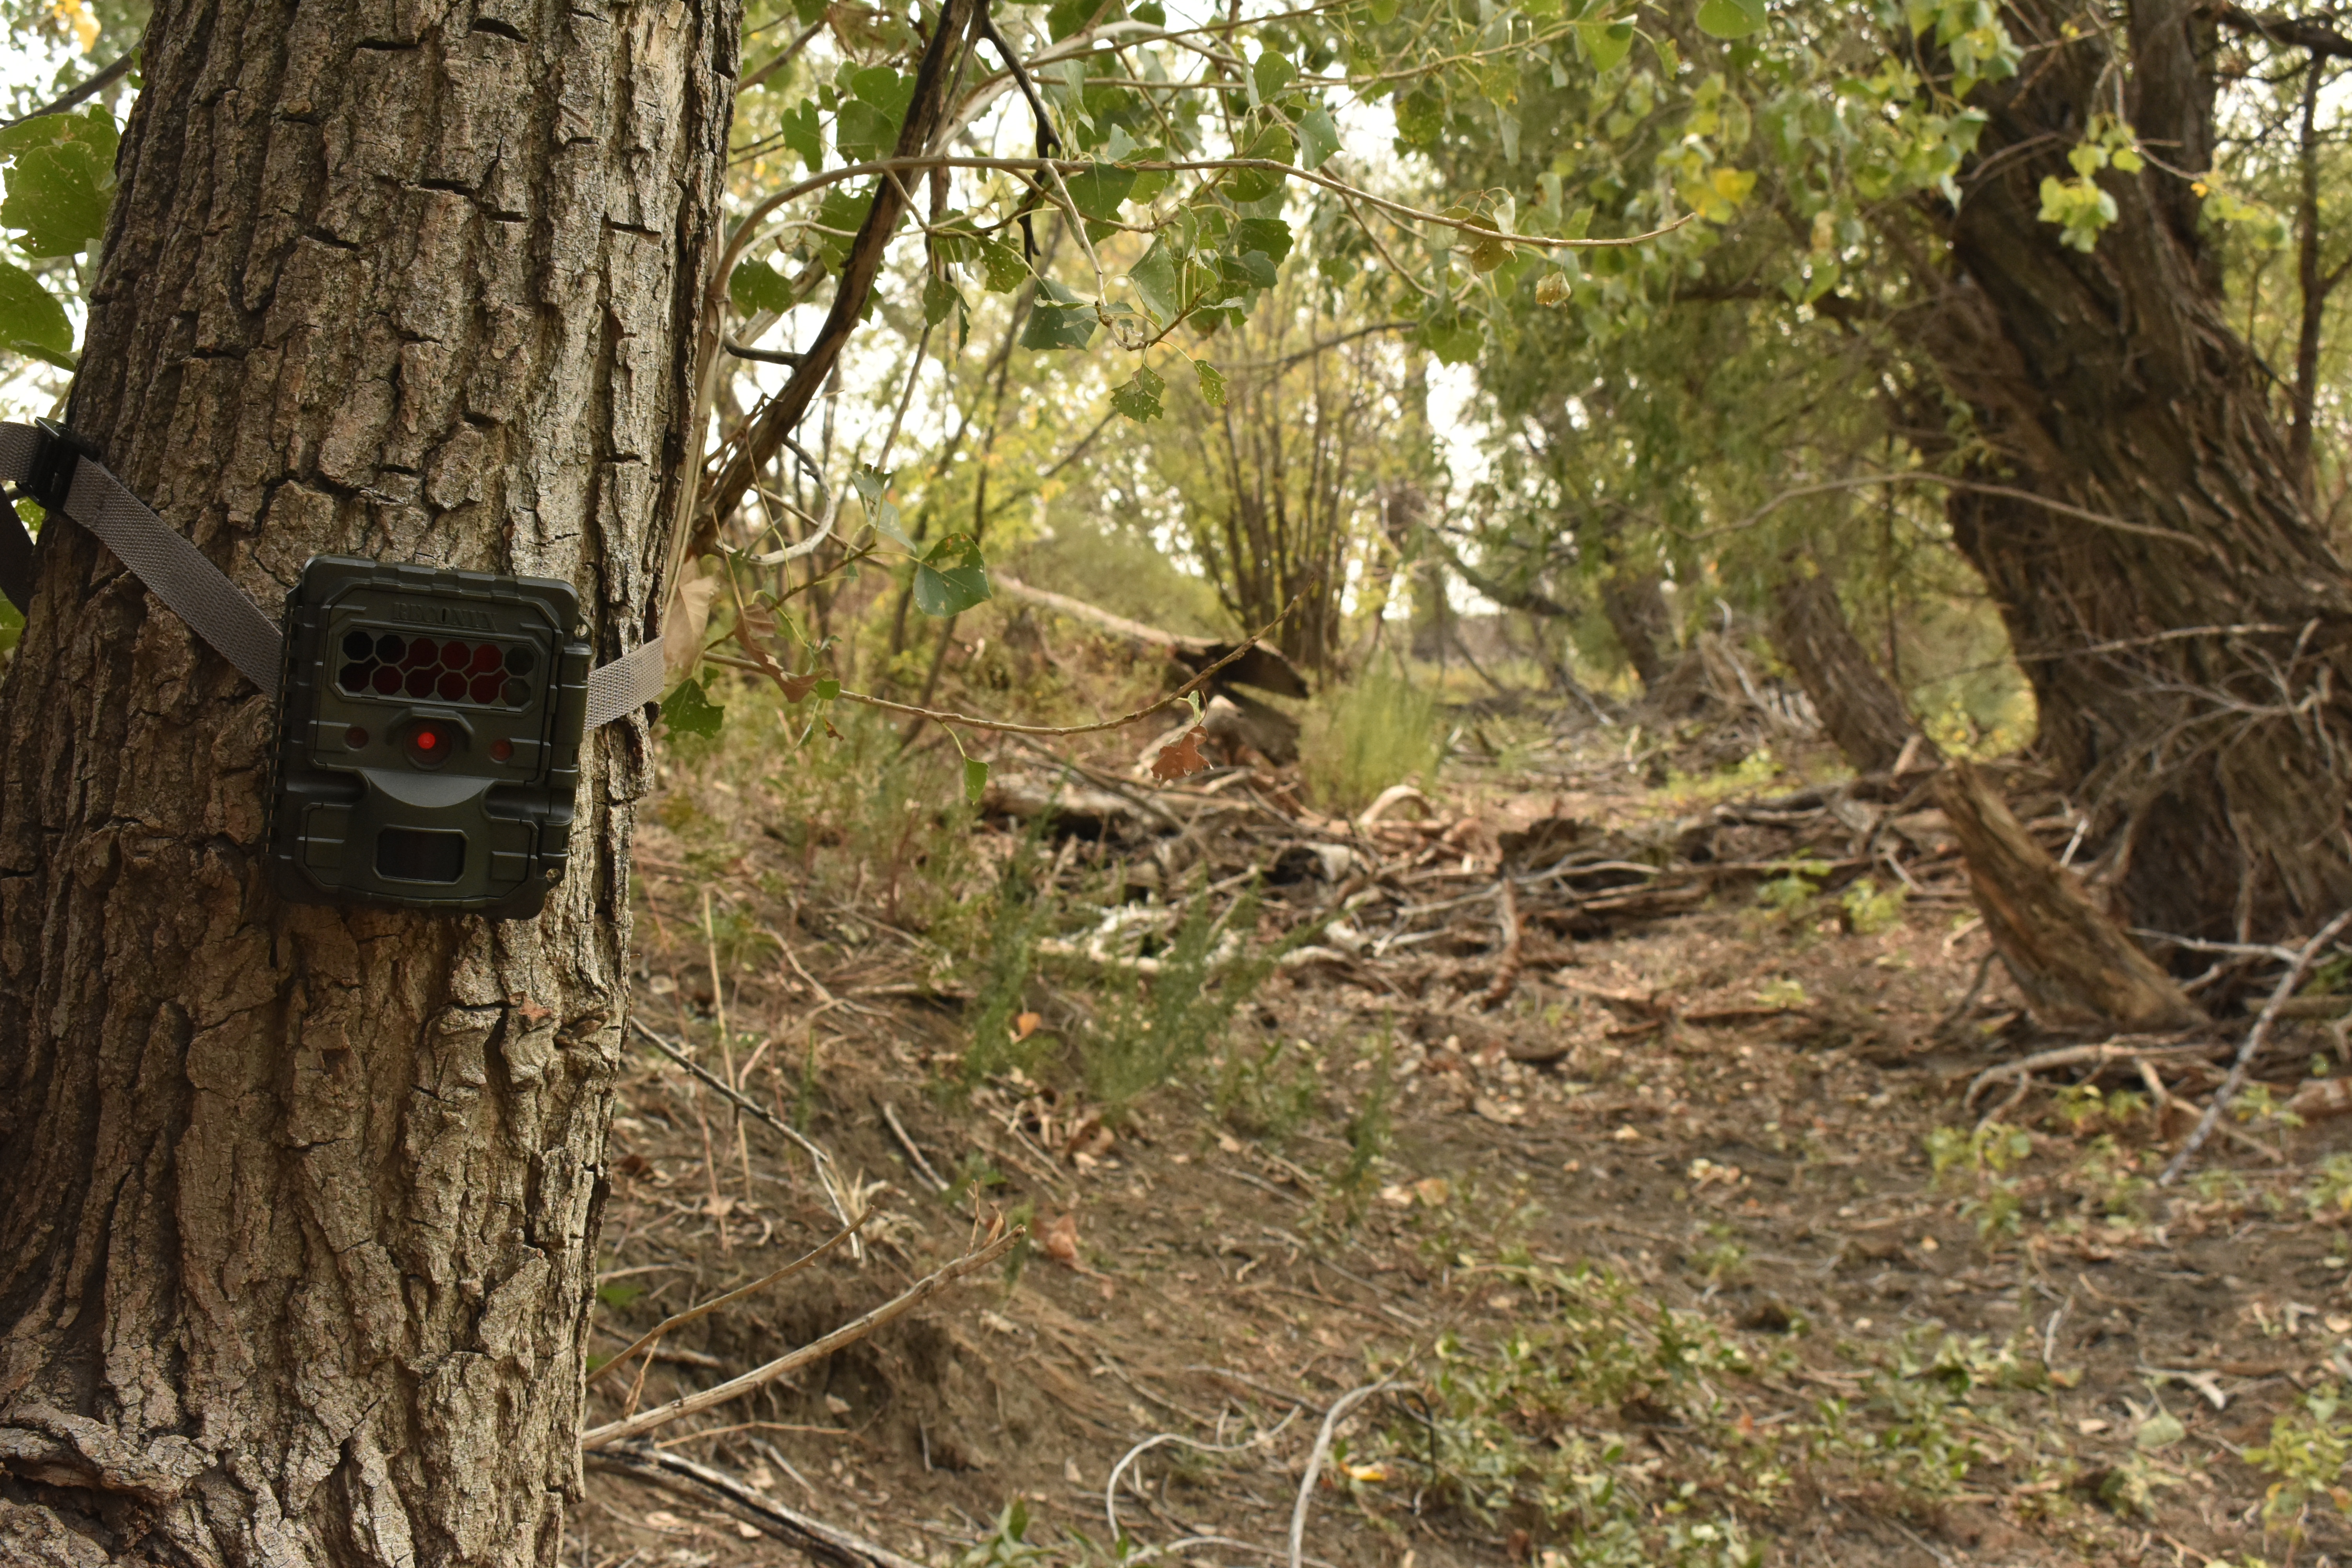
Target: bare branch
753, 1289
841, 1338
2230, 1086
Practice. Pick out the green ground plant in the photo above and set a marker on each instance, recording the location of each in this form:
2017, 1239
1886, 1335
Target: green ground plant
1382, 729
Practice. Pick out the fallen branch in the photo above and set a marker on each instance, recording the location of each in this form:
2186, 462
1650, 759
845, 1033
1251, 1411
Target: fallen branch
2254, 1042
715, 1302
890, 1115
826, 1176
841, 1338
2164, 1097
822, 1541
2121, 1048
1339, 1407
1507, 972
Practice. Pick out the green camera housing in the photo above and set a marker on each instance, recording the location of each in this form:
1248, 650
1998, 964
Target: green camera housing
429, 731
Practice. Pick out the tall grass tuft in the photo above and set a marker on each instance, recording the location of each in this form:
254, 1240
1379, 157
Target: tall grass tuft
1379, 730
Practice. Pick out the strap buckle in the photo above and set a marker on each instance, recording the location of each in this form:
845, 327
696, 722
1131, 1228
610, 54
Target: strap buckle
54, 457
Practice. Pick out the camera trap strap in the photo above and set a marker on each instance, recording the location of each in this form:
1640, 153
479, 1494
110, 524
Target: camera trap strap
59, 470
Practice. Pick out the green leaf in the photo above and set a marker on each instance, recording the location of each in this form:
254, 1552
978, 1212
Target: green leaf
953, 578
840, 215
1267, 236
828, 689
1453, 339
1098, 190
975, 779
1058, 327
1213, 382
884, 88
1318, 137
1005, 268
863, 132
940, 300
1067, 17
31, 320
1139, 399
1275, 145
757, 287
799, 129
2160, 1430
1154, 277
1608, 43
689, 711
1272, 73
1731, 18
58, 196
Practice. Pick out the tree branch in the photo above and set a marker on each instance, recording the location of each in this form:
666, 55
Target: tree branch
2295, 32
783, 413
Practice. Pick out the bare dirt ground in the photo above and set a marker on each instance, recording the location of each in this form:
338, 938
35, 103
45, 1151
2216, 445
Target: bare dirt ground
1652, 1202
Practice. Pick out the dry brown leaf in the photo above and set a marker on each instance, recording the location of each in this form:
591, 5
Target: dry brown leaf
1025, 1025
1059, 1240
1183, 758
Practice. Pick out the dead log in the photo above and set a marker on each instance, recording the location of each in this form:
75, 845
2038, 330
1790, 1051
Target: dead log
2074, 963
1261, 667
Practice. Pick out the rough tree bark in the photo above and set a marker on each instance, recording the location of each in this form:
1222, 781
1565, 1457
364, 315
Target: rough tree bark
301, 1203
1635, 604
1859, 707
2074, 963
2183, 622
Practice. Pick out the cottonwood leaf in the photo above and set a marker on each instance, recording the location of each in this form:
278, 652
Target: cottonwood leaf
1608, 43
975, 779
1058, 327
1005, 268
1269, 236
689, 711
1318, 136
1273, 144
756, 287
1271, 74
953, 578
1731, 18
1097, 191
1139, 399
1183, 759
58, 196
1213, 382
1154, 279
31, 320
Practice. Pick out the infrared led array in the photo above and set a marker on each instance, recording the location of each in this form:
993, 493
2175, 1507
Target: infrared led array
421, 669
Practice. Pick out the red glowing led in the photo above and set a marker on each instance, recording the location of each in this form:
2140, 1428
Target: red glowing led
426, 740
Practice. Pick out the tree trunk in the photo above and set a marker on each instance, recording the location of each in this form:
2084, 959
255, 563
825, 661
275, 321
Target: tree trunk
300, 1233
1635, 604
2183, 622
1859, 707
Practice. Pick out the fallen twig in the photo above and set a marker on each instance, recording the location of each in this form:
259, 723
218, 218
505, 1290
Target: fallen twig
848, 1335
1339, 1407
717, 1301
2254, 1042
827, 1177
1507, 972
890, 1116
824, 1542
2120, 1048
1110, 1487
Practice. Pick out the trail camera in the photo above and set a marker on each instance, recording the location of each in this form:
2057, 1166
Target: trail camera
429, 738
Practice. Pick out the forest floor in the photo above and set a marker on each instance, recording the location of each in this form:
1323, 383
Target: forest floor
1618, 1133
